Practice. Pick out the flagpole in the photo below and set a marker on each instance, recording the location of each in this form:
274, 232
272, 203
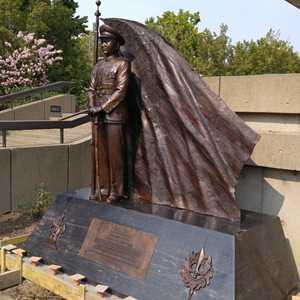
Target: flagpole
97, 14
95, 185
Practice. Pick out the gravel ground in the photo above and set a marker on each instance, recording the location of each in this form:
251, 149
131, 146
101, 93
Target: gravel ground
27, 291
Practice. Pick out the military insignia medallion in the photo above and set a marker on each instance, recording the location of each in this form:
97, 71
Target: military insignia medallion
197, 272
57, 229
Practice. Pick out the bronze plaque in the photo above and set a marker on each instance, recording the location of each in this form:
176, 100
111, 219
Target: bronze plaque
119, 247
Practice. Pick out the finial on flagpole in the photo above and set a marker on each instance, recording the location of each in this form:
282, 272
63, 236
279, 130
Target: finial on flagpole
97, 14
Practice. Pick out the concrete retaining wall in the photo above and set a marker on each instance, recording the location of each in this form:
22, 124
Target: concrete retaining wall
58, 167
41, 110
5, 179
79, 174
32, 166
7, 114
274, 192
262, 93
270, 104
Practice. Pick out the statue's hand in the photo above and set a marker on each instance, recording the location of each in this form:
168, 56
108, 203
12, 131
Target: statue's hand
95, 110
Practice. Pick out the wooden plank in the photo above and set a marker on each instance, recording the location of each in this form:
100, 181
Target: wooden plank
61, 285
14, 240
9, 247
19, 252
55, 269
2, 260
35, 260
9, 279
42, 275
77, 278
102, 289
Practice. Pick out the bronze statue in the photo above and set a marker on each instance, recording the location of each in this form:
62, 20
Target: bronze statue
108, 108
187, 147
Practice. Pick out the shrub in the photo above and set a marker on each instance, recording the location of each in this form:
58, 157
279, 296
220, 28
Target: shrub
41, 203
27, 65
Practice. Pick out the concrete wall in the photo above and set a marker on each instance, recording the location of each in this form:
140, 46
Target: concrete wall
30, 111
274, 192
5, 179
270, 184
79, 174
262, 93
7, 114
67, 103
40, 110
59, 167
270, 104
32, 166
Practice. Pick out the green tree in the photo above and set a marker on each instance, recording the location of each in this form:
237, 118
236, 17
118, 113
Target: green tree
213, 53
12, 17
56, 21
5, 36
208, 52
58, 24
268, 54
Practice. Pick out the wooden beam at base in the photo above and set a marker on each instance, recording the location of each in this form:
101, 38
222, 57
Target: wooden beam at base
42, 275
9, 279
60, 284
55, 269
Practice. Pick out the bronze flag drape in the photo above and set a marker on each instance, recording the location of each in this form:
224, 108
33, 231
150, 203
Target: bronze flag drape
189, 147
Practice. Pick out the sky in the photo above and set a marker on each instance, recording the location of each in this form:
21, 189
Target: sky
246, 19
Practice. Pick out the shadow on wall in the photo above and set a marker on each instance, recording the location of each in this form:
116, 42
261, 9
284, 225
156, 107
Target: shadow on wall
261, 190
274, 192
270, 191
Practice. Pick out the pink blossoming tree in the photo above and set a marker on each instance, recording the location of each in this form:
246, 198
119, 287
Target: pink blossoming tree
27, 65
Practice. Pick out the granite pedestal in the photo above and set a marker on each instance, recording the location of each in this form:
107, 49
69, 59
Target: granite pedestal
139, 249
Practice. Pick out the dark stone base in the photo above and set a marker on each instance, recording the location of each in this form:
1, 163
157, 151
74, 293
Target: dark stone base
251, 260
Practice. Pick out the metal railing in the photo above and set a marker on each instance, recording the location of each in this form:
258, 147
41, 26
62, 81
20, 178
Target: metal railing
44, 124
36, 90
62, 124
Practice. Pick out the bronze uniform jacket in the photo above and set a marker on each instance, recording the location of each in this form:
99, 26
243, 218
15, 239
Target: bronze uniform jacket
108, 87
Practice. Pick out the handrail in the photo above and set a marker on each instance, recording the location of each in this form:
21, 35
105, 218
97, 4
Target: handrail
43, 124
76, 114
35, 90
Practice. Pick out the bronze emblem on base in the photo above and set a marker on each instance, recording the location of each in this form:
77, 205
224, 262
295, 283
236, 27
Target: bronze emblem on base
197, 272
57, 229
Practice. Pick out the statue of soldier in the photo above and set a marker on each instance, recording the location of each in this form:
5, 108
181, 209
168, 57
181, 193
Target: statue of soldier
108, 108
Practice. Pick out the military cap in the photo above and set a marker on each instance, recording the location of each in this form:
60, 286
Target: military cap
108, 32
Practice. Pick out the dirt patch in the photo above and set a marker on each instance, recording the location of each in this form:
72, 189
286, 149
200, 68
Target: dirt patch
15, 224
28, 291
